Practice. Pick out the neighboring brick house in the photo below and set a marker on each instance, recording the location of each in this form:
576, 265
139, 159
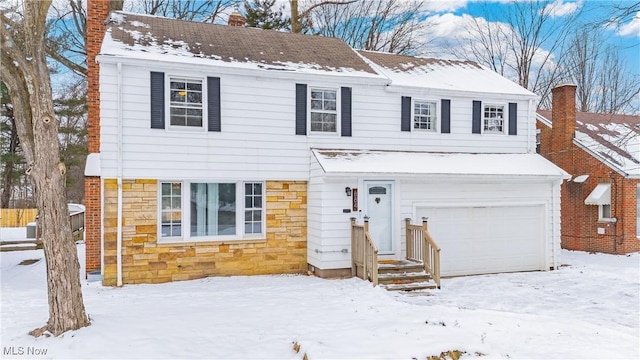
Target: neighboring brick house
223, 150
600, 204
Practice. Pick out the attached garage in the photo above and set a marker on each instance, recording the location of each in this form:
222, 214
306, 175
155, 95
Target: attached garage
488, 239
489, 213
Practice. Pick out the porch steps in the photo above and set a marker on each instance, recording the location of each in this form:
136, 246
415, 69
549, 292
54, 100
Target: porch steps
404, 275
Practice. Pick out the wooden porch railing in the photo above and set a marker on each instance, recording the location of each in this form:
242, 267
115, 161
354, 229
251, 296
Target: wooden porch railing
364, 252
421, 247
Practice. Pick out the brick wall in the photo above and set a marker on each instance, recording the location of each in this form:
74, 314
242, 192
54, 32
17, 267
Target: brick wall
284, 250
579, 221
97, 12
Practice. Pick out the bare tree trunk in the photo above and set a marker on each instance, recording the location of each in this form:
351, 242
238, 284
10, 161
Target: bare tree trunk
8, 172
27, 78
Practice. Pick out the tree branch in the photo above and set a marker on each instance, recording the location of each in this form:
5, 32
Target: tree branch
64, 61
323, 3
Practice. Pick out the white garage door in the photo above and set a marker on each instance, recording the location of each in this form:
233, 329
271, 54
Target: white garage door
482, 240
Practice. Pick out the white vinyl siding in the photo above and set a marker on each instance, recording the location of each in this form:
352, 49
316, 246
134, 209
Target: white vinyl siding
258, 139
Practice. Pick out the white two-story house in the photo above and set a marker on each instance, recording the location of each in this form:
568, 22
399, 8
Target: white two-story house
232, 151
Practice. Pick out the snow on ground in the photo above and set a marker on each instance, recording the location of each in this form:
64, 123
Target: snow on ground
587, 309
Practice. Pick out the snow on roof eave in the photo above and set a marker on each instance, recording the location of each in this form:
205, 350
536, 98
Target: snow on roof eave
544, 120
363, 162
469, 176
173, 62
395, 88
605, 161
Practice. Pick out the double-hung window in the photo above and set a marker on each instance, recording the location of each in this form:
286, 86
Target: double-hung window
324, 110
211, 210
424, 115
185, 107
493, 119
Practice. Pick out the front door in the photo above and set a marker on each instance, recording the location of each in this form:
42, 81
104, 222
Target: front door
379, 209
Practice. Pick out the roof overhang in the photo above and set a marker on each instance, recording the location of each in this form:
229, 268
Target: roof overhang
601, 195
445, 165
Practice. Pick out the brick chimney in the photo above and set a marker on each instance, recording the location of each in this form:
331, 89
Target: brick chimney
97, 14
563, 116
236, 19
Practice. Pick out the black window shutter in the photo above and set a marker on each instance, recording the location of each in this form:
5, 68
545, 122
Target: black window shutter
345, 110
213, 104
477, 117
513, 118
405, 122
157, 100
445, 116
301, 109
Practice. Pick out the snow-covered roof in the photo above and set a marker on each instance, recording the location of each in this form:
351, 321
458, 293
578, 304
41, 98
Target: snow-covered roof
149, 37
456, 75
614, 139
425, 163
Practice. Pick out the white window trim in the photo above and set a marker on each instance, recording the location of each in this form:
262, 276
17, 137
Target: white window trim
310, 88
505, 118
436, 124
186, 214
167, 103
601, 212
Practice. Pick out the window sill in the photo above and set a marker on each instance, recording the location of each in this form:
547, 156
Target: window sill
210, 242
606, 222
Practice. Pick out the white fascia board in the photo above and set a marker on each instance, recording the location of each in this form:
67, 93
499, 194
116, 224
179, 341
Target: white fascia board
452, 178
422, 90
344, 78
544, 120
604, 160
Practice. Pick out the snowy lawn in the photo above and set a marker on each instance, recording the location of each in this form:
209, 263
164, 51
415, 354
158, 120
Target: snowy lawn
588, 309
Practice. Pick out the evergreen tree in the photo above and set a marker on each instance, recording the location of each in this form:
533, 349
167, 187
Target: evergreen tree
263, 14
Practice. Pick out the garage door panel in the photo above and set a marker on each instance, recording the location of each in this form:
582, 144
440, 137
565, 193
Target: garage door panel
477, 240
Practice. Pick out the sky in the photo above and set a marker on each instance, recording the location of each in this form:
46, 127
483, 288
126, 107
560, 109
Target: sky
446, 21
626, 35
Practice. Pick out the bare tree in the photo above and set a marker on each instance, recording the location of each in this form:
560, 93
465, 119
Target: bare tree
24, 70
10, 156
616, 88
377, 25
300, 18
67, 32
521, 43
188, 10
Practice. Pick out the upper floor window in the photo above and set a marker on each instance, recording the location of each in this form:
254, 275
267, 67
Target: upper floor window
493, 119
324, 110
186, 107
424, 115
183, 102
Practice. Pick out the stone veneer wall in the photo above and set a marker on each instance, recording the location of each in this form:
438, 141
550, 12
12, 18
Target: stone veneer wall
144, 260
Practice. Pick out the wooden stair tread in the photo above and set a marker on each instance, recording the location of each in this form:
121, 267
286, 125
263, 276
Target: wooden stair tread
425, 285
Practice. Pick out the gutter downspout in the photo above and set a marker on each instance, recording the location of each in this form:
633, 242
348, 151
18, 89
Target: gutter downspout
532, 113
119, 177
556, 233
